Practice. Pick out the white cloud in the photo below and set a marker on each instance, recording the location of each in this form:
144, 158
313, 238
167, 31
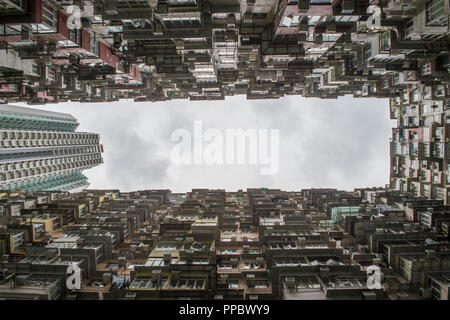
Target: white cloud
340, 143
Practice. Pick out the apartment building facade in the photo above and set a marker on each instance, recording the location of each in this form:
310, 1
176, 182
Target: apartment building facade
257, 244
40, 150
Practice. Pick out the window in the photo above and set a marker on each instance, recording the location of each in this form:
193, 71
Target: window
182, 3
436, 290
188, 284
259, 15
385, 41
170, 246
307, 283
252, 265
94, 46
219, 15
435, 13
260, 284
155, 262
368, 50
228, 251
13, 7
349, 283
409, 28
182, 21
75, 36
142, 283
290, 262
49, 16
200, 261
289, 21
51, 74
9, 30
35, 69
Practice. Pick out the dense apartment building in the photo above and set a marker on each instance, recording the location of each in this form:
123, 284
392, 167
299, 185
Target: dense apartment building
252, 244
211, 244
40, 150
156, 50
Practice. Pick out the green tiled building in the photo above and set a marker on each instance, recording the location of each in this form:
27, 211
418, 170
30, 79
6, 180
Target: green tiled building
40, 150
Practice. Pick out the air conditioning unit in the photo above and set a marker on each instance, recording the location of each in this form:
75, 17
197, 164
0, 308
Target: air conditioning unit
347, 6
74, 59
20, 280
189, 255
52, 47
206, 7
176, 275
303, 27
26, 33
369, 295
163, 8
110, 7
117, 38
324, 272
158, 29
430, 254
3, 274
167, 256
247, 18
86, 23
107, 278
303, 6
331, 28
156, 275
425, 293
318, 39
290, 283
46, 59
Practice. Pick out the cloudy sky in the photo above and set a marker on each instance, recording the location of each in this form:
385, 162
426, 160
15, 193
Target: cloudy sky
340, 143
